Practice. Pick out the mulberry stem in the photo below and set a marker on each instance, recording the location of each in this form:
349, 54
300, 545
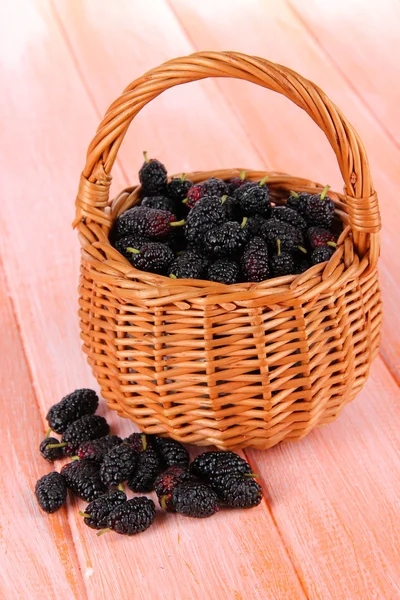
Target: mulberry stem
324, 191
83, 514
106, 530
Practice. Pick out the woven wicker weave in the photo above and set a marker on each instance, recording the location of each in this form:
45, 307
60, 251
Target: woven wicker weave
241, 365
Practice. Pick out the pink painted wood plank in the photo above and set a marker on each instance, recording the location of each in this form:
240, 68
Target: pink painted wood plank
369, 39
234, 555
335, 497
285, 136
37, 552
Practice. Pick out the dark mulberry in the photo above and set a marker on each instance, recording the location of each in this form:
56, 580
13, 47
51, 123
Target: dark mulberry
51, 454
170, 452
152, 176
96, 513
289, 215
83, 479
237, 491
195, 193
298, 202
130, 241
318, 236
144, 222
97, 449
167, 481
147, 468
227, 239
178, 188
290, 237
322, 254
153, 257
236, 182
205, 215
118, 465
138, 441
189, 265
320, 209
224, 271
255, 201
88, 427
214, 187
255, 260
72, 407
160, 203
51, 492
282, 263
133, 516
193, 499
210, 464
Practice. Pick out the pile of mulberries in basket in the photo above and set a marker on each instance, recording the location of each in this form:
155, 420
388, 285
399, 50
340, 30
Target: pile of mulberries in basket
101, 463
222, 231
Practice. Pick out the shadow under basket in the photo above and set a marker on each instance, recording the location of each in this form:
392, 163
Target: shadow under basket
244, 365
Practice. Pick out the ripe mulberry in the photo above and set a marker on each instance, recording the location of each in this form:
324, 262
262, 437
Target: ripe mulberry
322, 254
210, 464
255, 260
318, 236
320, 209
214, 187
290, 237
152, 176
193, 499
96, 513
51, 492
282, 263
147, 468
83, 479
153, 257
88, 427
118, 465
209, 212
72, 407
227, 239
97, 449
138, 441
170, 452
289, 215
224, 271
133, 516
189, 265
167, 481
160, 203
51, 454
237, 491
178, 188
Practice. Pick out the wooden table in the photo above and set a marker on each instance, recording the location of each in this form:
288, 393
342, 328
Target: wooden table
327, 526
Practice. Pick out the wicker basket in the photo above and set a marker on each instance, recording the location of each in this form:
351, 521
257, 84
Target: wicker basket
240, 365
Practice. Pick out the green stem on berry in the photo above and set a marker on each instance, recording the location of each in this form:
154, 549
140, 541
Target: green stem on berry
262, 182
75, 458
133, 250
144, 442
177, 223
172, 276
185, 201
278, 245
324, 192
243, 223
294, 194
302, 249
106, 530
48, 432
146, 158
120, 487
253, 475
183, 177
163, 502
224, 198
242, 174
85, 515
60, 445
333, 244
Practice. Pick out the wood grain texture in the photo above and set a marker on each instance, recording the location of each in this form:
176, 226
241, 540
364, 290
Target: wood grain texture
303, 150
45, 285
37, 552
328, 526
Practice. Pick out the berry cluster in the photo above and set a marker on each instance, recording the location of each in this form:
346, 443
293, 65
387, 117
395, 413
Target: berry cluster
222, 231
103, 462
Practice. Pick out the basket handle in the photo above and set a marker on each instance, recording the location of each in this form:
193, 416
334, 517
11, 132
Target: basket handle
93, 194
